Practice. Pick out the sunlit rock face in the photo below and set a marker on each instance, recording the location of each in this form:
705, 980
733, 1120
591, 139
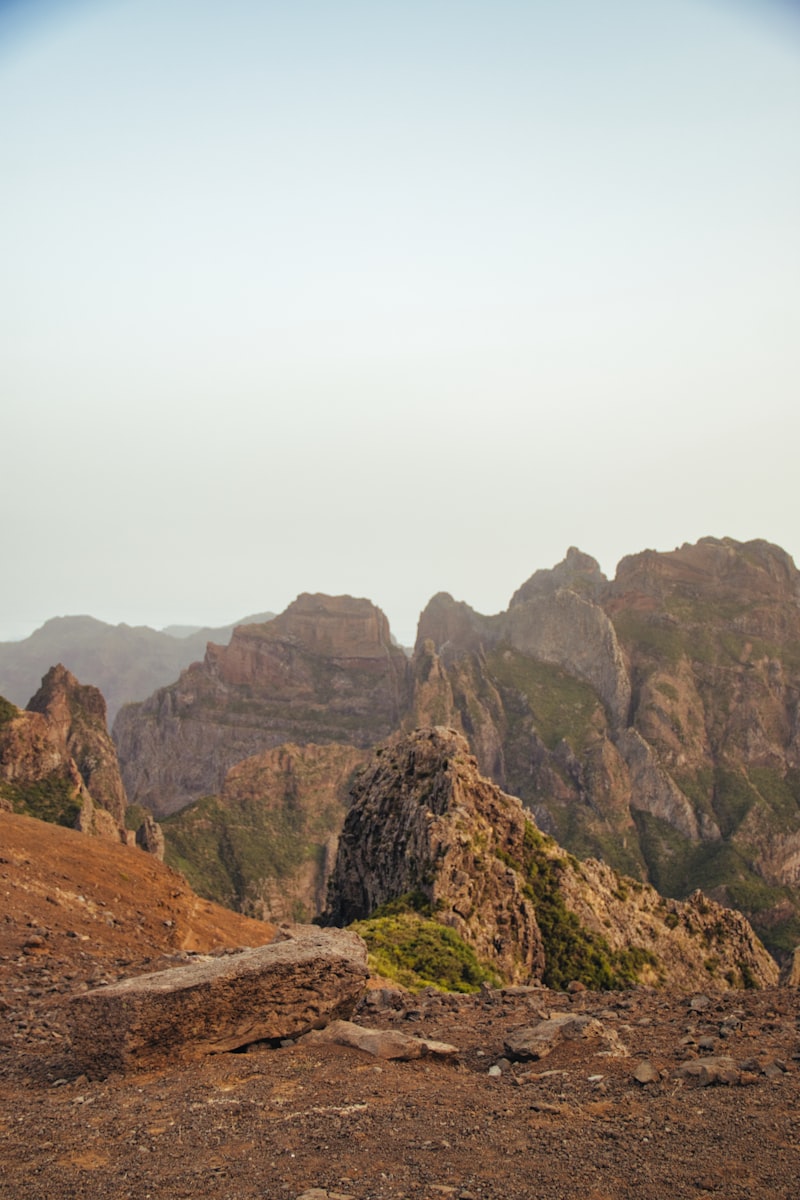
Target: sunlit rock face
326, 670
58, 762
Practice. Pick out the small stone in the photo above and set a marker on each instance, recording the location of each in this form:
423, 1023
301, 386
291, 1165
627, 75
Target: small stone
646, 1073
709, 1071
494, 1071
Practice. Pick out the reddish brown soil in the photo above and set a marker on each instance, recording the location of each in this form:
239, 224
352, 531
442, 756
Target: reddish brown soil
280, 1122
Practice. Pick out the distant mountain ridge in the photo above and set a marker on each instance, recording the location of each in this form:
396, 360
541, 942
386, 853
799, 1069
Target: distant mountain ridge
127, 663
324, 671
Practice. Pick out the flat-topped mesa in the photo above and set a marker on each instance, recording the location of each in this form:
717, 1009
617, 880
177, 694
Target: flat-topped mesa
323, 671
351, 633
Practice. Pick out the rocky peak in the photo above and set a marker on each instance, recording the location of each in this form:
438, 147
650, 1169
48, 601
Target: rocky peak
720, 570
577, 571
454, 628
57, 760
423, 821
76, 716
425, 824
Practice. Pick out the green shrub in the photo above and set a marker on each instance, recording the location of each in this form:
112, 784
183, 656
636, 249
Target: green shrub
418, 952
572, 952
7, 711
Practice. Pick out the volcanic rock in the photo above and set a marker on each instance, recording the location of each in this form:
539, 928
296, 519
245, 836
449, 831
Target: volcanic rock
57, 760
273, 992
425, 828
537, 1041
381, 1043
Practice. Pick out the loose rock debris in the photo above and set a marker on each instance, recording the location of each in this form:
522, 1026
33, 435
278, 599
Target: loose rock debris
317, 1118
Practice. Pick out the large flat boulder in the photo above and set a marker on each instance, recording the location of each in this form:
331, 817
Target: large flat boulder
180, 1015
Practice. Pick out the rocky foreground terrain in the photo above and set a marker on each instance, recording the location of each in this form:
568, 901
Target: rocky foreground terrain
610, 1095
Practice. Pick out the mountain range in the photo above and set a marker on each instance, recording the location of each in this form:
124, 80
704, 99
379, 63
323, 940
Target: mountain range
650, 721
126, 662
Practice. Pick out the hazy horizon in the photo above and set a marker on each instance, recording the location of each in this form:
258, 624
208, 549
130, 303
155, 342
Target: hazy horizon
388, 299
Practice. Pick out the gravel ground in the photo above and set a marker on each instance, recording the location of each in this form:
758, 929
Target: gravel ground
281, 1122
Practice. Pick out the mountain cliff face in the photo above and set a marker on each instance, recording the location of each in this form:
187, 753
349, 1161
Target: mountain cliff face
652, 720
425, 826
57, 760
125, 662
266, 844
324, 671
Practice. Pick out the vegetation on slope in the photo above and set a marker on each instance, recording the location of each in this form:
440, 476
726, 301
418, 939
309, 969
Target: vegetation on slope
409, 947
50, 799
572, 952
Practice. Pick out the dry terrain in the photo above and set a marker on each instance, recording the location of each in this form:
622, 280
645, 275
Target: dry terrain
313, 1120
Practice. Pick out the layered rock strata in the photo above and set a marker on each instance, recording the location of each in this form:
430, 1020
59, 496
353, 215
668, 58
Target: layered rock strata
326, 670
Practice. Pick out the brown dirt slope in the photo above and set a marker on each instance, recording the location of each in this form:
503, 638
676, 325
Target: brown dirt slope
67, 898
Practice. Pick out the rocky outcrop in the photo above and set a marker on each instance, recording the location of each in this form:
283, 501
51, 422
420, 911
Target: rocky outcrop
150, 837
58, 763
57, 760
423, 821
76, 721
653, 720
326, 670
181, 1015
424, 826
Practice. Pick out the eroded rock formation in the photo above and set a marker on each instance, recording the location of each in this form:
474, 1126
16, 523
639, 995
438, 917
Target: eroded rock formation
653, 720
325, 670
426, 826
57, 759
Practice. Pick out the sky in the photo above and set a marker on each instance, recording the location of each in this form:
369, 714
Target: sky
388, 297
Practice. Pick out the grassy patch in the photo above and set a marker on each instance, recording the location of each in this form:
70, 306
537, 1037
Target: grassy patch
416, 952
562, 707
677, 866
8, 711
782, 793
572, 952
51, 799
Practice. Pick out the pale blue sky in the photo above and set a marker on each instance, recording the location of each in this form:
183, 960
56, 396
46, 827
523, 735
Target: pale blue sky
388, 298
